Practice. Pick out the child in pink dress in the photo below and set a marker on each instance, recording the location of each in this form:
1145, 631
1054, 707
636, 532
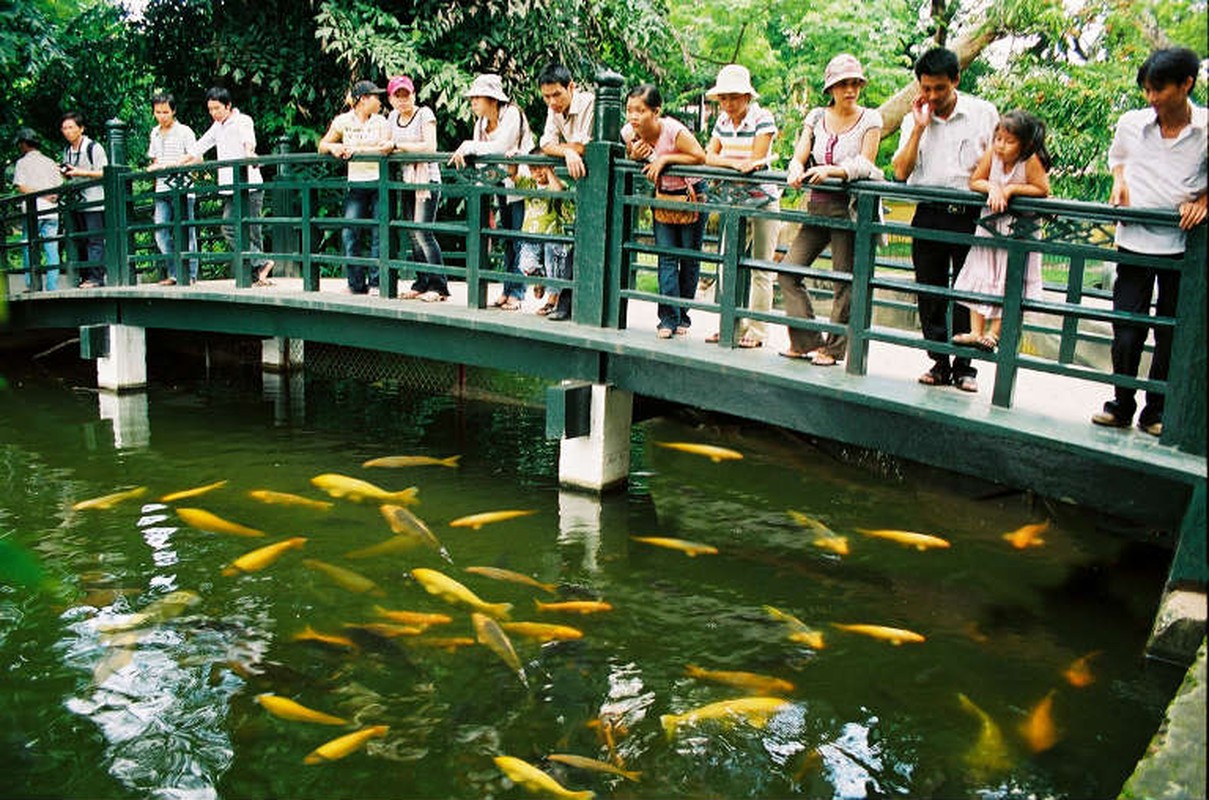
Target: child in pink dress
1016, 164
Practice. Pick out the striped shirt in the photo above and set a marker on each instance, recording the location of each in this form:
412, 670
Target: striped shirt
739, 141
167, 149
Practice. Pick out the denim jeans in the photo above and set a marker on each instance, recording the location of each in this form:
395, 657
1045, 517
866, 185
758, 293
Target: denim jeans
360, 203
253, 207
678, 274
512, 216
48, 229
163, 235
424, 246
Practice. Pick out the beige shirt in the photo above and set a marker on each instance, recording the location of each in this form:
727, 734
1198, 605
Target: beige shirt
574, 126
36, 171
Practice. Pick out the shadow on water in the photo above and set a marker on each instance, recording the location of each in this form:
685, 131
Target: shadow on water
126, 687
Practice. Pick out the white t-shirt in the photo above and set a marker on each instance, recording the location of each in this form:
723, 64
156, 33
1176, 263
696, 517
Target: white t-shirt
362, 135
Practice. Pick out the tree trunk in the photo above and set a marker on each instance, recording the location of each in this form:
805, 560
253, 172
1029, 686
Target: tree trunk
967, 48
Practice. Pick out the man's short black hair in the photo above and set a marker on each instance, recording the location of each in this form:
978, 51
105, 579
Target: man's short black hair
554, 72
220, 93
938, 61
1167, 66
74, 116
160, 98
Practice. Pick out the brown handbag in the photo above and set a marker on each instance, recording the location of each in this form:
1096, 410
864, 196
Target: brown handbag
676, 216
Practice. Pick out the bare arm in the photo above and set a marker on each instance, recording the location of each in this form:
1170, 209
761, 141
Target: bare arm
801, 154
759, 155
688, 151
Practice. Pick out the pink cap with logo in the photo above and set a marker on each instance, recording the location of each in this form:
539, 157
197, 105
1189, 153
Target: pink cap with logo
400, 82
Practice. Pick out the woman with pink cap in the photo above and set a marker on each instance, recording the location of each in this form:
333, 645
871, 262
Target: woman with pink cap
838, 141
500, 128
413, 129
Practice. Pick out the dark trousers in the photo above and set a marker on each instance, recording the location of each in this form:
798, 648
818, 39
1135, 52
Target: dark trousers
1132, 292
937, 264
512, 217
91, 247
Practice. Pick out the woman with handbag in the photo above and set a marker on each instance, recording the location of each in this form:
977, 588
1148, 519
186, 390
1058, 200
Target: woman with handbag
841, 140
660, 142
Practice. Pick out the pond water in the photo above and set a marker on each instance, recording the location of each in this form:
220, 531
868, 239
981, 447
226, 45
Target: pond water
99, 703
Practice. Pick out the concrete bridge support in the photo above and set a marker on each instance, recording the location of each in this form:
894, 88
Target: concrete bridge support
121, 355
280, 354
592, 422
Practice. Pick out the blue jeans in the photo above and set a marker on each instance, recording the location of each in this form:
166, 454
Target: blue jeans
163, 235
678, 275
512, 217
48, 229
360, 203
424, 246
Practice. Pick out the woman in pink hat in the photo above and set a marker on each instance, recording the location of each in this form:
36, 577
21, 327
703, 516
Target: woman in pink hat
413, 129
840, 142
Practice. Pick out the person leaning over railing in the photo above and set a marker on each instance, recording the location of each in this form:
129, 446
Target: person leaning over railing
837, 141
1158, 160
413, 129
35, 172
358, 131
500, 128
167, 146
84, 159
662, 141
742, 140
233, 136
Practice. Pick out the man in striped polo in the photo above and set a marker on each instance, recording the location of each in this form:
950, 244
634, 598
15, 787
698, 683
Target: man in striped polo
168, 145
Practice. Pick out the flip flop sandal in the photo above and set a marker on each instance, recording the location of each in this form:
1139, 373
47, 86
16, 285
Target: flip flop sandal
987, 343
546, 309
431, 296
749, 343
966, 384
933, 378
712, 338
794, 354
824, 360
510, 305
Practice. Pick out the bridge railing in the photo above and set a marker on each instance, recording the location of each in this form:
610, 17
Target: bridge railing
614, 254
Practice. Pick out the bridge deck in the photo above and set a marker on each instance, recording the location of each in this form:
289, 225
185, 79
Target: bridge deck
1046, 432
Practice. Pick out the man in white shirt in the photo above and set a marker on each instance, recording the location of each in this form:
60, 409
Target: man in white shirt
233, 136
36, 172
168, 145
569, 116
84, 159
940, 144
361, 130
1158, 159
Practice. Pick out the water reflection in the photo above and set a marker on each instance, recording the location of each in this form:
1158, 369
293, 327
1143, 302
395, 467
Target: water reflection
127, 413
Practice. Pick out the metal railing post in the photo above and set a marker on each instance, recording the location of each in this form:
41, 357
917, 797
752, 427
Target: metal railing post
285, 205
1012, 323
239, 208
860, 306
1184, 410
594, 231
116, 213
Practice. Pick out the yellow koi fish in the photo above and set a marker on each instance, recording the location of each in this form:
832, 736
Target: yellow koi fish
476, 521
358, 491
755, 711
575, 606
1027, 535
1079, 674
205, 521
287, 709
824, 537
447, 643
262, 557
413, 461
387, 630
690, 549
411, 528
173, 496
714, 454
413, 617
387, 547
522, 773
496, 573
346, 578
894, 636
287, 499
749, 681
989, 755
344, 745
1038, 729
489, 634
442, 586
591, 764
800, 632
165, 608
920, 541
309, 634
543, 632
110, 500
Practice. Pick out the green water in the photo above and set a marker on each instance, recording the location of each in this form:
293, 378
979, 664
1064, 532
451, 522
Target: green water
170, 712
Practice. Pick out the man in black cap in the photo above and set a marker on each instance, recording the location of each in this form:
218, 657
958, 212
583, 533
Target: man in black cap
360, 130
35, 172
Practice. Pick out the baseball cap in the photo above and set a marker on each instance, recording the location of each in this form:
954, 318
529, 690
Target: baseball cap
400, 82
362, 88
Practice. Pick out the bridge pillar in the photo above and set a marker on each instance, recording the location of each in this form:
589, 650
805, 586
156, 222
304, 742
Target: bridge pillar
121, 355
595, 456
280, 354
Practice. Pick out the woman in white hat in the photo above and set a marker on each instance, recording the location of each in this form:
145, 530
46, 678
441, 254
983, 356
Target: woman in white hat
838, 141
742, 140
500, 128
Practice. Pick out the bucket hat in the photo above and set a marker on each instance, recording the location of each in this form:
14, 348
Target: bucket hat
732, 79
487, 85
841, 68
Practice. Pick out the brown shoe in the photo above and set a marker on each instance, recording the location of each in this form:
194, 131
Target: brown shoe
1111, 420
1153, 428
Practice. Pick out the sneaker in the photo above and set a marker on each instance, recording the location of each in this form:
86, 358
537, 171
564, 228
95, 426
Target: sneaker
1111, 420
